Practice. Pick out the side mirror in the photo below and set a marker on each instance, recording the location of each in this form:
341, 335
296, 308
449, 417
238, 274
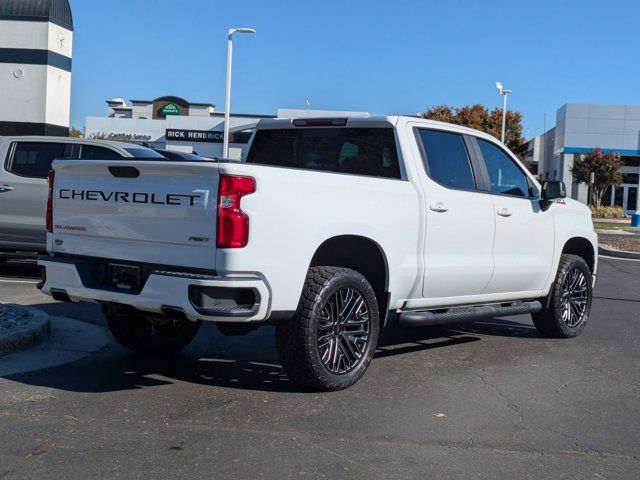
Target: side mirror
553, 190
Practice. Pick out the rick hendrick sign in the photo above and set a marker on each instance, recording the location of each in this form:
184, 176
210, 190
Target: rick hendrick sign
194, 135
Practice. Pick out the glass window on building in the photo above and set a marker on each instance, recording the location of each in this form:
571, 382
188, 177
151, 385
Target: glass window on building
630, 161
632, 195
618, 198
606, 199
631, 178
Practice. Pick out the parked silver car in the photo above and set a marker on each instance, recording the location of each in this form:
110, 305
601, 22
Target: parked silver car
24, 164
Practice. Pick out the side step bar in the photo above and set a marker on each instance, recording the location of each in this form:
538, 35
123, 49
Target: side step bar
415, 318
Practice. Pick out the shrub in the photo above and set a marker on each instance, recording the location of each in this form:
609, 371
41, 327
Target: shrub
607, 212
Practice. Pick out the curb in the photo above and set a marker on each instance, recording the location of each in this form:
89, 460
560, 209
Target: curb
22, 328
618, 253
612, 220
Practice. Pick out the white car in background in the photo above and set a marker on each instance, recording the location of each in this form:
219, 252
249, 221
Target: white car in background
25, 162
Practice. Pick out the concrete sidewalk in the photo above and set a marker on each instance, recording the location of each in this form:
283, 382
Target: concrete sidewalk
70, 340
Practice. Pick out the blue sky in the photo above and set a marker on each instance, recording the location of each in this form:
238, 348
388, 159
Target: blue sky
385, 57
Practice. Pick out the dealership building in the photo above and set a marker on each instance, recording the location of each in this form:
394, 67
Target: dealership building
174, 123
579, 129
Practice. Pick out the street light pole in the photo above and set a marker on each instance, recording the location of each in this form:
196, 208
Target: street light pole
504, 92
227, 97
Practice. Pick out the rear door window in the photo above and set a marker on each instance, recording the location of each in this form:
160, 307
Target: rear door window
357, 151
446, 159
33, 159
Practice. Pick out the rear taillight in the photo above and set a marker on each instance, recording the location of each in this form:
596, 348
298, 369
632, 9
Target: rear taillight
233, 223
50, 202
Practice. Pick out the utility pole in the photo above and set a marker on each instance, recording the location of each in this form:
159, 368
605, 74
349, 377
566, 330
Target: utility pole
504, 92
227, 97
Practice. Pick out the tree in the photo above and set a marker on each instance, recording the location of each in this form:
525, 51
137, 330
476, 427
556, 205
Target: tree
604, 167
478, 117
441, 113
75, 133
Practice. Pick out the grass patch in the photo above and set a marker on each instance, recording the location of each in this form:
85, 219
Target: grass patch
612, 226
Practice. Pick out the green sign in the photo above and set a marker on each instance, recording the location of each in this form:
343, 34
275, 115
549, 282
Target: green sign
170, 109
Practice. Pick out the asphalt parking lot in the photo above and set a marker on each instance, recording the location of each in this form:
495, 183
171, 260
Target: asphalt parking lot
483, 400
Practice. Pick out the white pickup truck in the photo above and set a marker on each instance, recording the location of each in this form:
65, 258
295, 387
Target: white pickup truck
328, 229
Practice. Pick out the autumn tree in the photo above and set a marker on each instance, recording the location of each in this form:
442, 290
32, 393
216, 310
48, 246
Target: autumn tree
479, 117
441, 113
75, 133
604, 167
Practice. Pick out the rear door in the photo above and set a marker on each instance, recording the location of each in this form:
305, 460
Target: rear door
23, 191
460, 223
157, 212
524, 241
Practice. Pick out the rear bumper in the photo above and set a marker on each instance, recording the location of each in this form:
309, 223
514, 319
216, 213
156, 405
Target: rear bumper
163, 291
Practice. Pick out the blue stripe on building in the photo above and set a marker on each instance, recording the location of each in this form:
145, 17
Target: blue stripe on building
604, 150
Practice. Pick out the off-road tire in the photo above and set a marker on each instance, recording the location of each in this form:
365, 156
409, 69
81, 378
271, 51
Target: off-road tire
549, 321
138, 334
297, 339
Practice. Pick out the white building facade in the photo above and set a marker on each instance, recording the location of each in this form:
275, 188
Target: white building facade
173, 123
36, 45
579, 129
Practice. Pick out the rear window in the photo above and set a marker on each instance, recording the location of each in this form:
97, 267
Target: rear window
143, 153
91, 152
357, 151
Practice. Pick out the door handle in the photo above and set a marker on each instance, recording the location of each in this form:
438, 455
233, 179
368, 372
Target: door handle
5, 188
504, 212
439, 207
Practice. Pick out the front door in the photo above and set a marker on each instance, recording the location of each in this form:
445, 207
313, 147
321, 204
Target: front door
524, 239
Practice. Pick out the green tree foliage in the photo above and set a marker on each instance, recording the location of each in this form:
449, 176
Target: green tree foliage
479, 117
604, 167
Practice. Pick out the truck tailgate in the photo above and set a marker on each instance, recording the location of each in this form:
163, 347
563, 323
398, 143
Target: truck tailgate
159, 212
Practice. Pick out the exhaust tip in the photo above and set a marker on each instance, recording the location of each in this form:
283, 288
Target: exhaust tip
60, 296
175, 313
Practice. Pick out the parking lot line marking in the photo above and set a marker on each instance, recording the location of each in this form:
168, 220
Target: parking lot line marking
18, 281
619, 258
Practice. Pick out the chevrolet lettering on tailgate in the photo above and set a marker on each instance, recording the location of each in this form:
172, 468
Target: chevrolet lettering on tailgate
129, 197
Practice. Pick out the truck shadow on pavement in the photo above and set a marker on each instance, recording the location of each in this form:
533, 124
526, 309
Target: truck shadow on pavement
246, 363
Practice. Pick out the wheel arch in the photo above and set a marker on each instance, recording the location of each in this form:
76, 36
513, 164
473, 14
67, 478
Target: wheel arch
582, 247
363, 255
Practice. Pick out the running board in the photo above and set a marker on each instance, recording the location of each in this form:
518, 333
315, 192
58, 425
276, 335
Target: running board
418, 318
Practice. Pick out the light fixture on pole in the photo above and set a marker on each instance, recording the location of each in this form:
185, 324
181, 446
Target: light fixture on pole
504, 92
227, 98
